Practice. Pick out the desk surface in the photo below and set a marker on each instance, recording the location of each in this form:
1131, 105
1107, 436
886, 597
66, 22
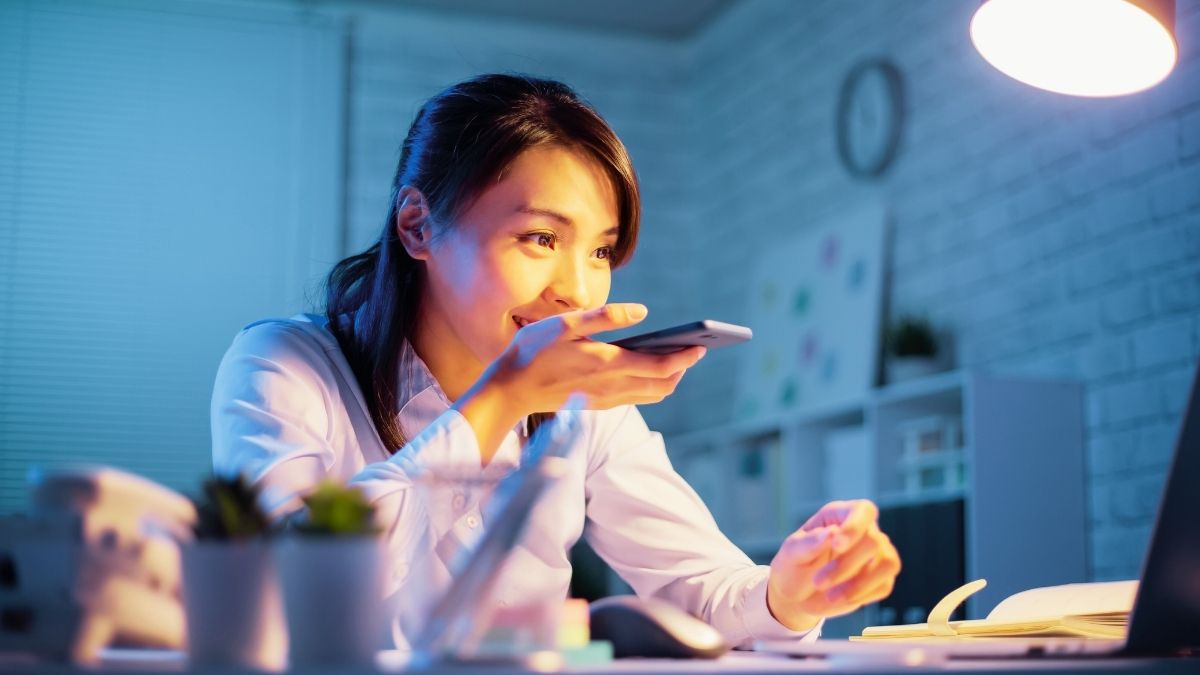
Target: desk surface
738, 662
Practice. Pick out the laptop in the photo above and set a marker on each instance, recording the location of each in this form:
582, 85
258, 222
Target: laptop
1166, 611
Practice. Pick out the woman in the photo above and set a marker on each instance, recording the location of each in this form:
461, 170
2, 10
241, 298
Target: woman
465, 326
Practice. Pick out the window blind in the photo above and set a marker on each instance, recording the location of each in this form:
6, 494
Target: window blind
168, 173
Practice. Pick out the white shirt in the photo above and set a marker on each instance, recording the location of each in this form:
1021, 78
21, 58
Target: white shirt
287, 411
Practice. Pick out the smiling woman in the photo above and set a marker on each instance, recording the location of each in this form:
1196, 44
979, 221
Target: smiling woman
461, 329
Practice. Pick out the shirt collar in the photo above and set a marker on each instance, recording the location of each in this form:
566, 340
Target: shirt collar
420, 399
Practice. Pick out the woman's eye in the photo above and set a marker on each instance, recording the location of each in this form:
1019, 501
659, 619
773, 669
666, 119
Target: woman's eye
545, 239
604, 253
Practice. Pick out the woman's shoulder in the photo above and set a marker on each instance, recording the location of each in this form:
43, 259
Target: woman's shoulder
299, 344
299, 333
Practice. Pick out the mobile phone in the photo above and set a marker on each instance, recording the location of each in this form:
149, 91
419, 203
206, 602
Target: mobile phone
707, 333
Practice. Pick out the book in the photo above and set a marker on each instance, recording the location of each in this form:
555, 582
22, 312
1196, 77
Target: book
1090, 610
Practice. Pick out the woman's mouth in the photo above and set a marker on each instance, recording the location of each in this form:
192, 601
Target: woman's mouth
520, 321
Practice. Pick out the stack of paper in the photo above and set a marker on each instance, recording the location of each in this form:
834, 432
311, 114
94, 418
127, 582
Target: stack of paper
1099, 610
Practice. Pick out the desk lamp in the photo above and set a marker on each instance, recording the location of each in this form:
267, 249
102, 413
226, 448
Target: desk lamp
1079, 47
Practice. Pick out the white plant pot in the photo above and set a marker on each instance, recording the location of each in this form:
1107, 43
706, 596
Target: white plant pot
901, 368
233, 605
333, 597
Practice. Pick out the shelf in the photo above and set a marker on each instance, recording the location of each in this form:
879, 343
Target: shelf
940, 384
887, 501
832, 415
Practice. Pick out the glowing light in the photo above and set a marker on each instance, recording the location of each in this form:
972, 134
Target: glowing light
1078, 47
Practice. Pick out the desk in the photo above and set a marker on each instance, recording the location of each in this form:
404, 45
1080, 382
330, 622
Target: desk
747, 663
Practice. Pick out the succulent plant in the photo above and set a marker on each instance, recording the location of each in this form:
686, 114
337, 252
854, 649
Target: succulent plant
336, 509
911, 336
228, 509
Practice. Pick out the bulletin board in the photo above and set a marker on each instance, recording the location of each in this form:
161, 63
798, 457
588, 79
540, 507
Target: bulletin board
814, 306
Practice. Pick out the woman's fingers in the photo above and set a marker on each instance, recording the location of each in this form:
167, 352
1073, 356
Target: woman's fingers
604, 318
629, 362
859, 519
849, 563
875, 593
631, 390
883, 569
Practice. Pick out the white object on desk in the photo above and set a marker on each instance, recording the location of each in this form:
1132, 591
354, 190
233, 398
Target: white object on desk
94, 562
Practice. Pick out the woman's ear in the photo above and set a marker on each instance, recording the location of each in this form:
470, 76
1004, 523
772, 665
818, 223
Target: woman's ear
413, 225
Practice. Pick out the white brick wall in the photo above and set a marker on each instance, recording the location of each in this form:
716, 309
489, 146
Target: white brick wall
1050, 235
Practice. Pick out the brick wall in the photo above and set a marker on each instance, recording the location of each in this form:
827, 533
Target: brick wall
1050, 235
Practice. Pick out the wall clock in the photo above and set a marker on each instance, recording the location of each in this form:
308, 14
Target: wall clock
870, 117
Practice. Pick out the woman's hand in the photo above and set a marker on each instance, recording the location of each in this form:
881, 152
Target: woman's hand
551, 359
835, 563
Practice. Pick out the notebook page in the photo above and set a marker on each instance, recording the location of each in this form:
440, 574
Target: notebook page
1067, 600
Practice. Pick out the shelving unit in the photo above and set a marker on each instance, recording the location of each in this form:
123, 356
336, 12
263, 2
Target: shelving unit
1017, 518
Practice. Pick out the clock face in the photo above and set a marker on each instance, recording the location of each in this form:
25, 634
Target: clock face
870, 114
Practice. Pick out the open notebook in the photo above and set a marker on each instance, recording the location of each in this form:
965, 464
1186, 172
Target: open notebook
1093, 610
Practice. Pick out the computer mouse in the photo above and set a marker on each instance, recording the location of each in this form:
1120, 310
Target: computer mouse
651, 628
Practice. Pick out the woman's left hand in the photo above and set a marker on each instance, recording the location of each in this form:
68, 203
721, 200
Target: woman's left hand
835, 563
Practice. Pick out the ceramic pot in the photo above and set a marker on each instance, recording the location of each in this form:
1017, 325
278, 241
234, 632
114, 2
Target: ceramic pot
333, 590
233, 605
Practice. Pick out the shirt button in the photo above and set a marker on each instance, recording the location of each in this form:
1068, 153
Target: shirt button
472, 521
459, 502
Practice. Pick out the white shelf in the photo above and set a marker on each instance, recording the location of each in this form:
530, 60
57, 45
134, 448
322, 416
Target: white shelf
888, 501
942, 383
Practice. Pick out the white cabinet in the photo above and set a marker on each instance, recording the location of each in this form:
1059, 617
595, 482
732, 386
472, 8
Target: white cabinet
976, 475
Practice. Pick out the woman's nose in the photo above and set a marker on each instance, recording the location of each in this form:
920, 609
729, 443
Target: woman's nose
570, 285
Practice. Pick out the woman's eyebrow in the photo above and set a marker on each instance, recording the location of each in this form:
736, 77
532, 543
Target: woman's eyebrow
549, 213
562, 218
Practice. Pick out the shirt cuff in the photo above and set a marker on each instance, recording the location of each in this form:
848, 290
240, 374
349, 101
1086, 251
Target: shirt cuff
759, 622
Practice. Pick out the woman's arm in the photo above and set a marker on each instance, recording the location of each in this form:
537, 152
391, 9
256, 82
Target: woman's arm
270, 413
653, 529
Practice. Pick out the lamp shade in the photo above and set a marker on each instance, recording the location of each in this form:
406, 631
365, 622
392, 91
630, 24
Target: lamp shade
1079, 47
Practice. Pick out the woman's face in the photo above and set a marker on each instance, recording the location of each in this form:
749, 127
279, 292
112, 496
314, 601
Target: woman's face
538, 242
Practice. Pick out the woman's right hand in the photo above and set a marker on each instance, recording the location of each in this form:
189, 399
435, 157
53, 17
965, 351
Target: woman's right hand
551, 359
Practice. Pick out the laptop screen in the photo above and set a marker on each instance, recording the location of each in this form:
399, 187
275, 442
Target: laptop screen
1166, 614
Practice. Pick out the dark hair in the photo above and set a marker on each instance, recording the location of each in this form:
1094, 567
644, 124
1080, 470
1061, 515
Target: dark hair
460, 142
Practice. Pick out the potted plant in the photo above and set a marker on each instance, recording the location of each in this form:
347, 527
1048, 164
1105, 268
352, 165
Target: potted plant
912, 349
231, 593
331, 564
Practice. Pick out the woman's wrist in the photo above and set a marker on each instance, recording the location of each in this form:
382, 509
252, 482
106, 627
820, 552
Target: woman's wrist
487, 407
792, 619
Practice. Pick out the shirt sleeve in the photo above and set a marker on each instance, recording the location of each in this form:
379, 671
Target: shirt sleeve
270, 414
648, 524
419, 554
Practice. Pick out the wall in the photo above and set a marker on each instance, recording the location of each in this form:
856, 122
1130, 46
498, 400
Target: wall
1050, 235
